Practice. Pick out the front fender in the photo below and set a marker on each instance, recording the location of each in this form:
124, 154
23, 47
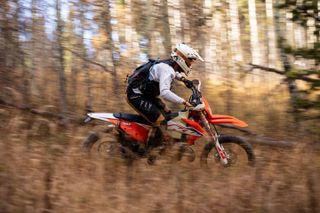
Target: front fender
226, 119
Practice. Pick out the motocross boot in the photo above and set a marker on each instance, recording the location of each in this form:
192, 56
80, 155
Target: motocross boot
157, 136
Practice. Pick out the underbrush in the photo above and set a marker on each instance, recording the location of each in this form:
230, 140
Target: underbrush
51, 173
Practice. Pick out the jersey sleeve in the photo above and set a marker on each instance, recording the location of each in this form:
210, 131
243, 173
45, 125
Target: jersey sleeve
166, 75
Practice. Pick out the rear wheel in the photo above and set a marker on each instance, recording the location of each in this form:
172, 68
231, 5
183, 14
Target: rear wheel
109, 148
239, 152
105, 147
90, 141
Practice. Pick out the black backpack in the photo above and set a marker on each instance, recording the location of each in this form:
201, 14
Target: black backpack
141, 73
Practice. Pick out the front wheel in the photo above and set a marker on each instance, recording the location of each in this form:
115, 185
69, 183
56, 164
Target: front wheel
239, 152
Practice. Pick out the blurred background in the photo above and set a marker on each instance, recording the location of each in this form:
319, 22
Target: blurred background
60, 58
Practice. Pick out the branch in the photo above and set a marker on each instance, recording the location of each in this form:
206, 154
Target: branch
47, 114
268, 69
280, 72
304, 78
259, 139
87, 60
263, 140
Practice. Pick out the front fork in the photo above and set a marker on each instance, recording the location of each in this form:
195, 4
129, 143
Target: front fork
214, 137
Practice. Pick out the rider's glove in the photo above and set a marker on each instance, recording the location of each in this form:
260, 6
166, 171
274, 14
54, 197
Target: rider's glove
187, 82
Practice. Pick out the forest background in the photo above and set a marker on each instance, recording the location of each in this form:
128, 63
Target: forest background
59, 59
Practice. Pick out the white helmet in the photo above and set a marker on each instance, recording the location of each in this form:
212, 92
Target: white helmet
183, 55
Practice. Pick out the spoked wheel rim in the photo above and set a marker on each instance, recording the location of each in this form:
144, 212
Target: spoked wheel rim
108, 148
239, 153
231, 156
235, 155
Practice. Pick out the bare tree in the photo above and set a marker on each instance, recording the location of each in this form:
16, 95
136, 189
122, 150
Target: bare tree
104, 18
166, 27
85, 68
33, 47
234, 31
6, 60
272, 50
254, 36
60, 57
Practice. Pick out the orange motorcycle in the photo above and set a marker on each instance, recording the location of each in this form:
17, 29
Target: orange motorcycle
185, 127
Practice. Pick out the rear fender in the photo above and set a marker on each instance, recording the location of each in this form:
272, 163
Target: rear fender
135, 130
226, 119
103, 117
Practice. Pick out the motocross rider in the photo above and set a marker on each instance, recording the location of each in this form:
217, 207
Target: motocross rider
147, 101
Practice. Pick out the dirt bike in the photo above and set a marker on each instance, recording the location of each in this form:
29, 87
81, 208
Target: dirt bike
185, 126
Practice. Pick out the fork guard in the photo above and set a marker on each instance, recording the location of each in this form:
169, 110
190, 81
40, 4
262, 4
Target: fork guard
226, 119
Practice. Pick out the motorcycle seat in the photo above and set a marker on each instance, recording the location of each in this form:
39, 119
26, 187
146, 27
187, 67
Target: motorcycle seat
131, 117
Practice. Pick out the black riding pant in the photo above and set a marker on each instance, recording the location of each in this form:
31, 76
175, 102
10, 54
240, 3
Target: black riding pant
149, 107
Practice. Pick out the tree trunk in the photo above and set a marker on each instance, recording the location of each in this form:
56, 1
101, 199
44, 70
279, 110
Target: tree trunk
84, 66
110, 45
149, 26
61, 74
6, 40
229, 65
234, 32
166, 27
20, 58
291, 84
131, 37
214, 50
33, 48
254, 38
11, 54
173, 15
272, 49
73, 61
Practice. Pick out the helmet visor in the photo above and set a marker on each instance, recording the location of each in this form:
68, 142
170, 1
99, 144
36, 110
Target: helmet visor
188, 61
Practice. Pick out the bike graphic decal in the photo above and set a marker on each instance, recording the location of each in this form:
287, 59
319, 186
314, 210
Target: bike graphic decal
183, 129
144, 125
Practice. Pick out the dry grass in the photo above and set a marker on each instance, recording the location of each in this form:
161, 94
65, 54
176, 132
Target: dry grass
51, 174
43, 169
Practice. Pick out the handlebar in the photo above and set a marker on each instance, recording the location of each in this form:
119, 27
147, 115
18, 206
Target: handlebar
195, 98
